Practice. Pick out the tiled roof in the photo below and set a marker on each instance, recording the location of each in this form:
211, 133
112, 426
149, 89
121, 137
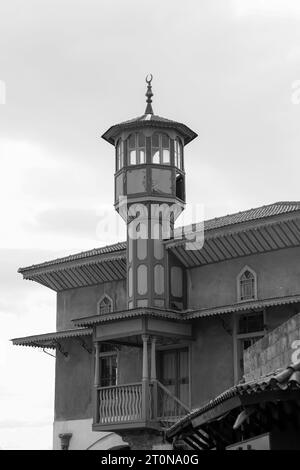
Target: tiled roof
148, 120
259, 213
242, 306
108, 249
135, 312
256, 213
45, 340
281, 379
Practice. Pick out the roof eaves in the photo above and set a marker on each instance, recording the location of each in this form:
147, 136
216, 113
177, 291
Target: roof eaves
124, 314
88, 257
242, 306
38, 340
155, 121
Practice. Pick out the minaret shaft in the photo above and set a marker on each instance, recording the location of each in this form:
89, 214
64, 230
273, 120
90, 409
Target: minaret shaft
147, 280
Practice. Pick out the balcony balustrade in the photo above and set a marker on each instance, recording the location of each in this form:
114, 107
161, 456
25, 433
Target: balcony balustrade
139, 404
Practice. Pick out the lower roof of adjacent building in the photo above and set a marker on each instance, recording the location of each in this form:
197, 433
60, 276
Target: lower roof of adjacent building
218, 422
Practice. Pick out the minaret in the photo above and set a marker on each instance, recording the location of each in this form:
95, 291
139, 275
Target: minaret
149, 195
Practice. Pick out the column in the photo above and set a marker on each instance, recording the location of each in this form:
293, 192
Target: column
145, 374
153, 358
96, 396
145, 380
153, 377
97, 365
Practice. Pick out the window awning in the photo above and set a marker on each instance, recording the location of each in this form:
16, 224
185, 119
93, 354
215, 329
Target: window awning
51, 340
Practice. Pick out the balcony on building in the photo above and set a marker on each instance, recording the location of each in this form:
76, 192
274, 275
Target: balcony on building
144, 403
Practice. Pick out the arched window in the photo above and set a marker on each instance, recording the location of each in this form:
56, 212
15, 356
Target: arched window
160, 149
120, 155
136, 149
105, 305
247, 284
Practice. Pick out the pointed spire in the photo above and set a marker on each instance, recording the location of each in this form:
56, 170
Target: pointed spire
149, 95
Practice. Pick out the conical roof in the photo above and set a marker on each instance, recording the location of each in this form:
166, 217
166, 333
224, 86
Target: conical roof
149, 119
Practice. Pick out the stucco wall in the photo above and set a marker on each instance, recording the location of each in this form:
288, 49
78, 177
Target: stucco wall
82, 302
212, 355
278, 274
75, 377
74, 381
212, 359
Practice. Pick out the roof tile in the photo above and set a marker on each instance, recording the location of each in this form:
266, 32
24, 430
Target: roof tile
257, 213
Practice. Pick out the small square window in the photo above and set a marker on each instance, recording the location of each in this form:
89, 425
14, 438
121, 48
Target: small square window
251, 323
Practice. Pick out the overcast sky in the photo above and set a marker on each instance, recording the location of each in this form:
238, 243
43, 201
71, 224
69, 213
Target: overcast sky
227, 68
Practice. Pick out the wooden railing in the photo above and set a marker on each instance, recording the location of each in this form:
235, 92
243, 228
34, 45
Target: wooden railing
169, 407
147, 401
120, 403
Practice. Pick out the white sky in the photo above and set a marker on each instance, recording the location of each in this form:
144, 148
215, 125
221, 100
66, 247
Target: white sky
73, 68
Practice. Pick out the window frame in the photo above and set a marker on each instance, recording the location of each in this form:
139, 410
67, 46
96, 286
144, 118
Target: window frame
137, 148
120, 160
239, 337
105, 296
104, 354
160, 149
178, 156
239, 280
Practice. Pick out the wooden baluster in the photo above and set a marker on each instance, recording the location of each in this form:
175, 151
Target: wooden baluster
122, 415
112, 398
129, 394
134, 413
118, 407
100, 406
117, 400
113, 402
108, 401
122, 410
141, 401
138, 404
123, 407
104, 406
122, 404
133, 403
126, 404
